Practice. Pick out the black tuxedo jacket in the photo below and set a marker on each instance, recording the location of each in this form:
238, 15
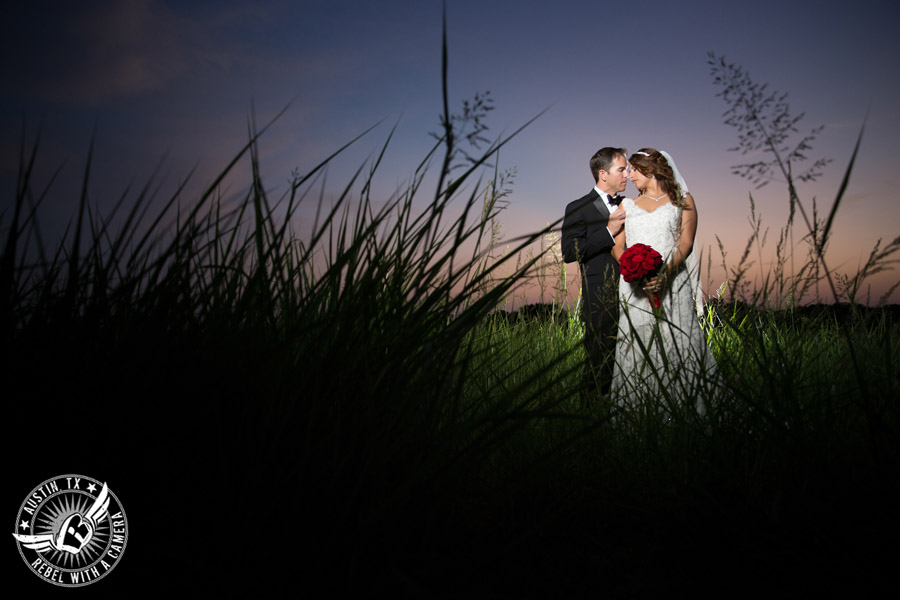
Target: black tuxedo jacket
586, 240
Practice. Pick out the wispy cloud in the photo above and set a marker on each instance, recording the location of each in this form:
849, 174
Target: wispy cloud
93, 53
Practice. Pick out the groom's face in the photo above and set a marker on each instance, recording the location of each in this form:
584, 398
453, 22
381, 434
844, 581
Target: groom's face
615, 179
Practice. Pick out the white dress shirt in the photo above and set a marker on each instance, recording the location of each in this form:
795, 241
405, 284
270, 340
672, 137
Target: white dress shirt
611, 207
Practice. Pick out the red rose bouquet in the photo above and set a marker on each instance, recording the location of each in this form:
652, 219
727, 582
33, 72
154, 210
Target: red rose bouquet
640, 262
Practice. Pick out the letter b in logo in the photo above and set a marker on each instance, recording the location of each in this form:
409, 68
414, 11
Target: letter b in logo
75, 533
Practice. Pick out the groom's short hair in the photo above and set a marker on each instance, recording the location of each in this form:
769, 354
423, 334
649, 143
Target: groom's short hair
603, 158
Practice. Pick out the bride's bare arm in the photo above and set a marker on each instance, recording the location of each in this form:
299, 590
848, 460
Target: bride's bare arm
619, 248
688, 232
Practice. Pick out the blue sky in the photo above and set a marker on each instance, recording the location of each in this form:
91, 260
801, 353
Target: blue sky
176, 81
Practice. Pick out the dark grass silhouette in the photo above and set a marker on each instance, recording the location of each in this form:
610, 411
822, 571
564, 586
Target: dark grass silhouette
285, 413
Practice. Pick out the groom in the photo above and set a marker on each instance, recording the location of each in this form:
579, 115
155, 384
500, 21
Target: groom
588, 235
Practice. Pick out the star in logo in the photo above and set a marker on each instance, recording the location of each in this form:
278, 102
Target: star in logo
24, 525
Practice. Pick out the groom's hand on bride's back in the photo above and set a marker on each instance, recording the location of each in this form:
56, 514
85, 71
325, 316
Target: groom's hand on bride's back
616, 221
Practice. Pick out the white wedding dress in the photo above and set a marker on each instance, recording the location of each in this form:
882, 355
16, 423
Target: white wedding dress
661, 356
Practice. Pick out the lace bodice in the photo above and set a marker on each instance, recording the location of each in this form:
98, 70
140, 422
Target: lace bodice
658, 229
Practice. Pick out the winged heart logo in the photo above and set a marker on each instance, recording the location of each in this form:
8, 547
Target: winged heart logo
76, 531
71, 530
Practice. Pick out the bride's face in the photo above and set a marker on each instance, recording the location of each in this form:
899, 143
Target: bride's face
638, 178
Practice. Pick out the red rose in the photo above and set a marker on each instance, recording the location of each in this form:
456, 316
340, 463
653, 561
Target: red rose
639, 262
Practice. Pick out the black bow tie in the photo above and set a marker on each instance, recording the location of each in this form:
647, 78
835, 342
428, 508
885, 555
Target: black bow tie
615, 200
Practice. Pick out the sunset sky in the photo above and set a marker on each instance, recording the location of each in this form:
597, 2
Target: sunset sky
175, 81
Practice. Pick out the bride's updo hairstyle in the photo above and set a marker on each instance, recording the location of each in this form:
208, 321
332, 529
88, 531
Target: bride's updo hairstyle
651, 163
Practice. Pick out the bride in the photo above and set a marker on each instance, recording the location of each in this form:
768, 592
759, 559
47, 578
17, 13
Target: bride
661, 353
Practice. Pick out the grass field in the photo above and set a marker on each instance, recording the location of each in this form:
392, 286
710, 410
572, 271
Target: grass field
348, 408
